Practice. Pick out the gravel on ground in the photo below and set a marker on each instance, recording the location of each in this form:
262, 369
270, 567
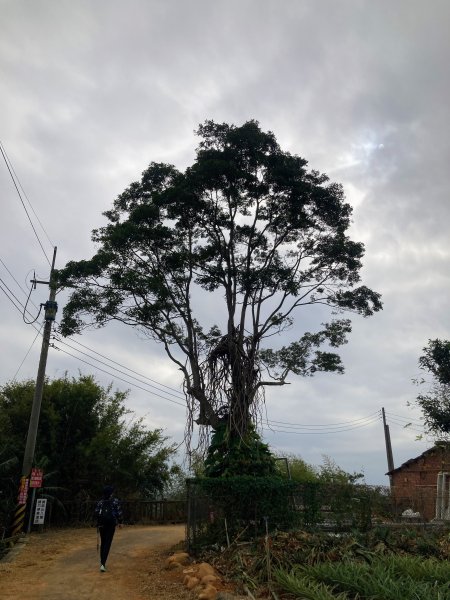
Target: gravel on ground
64, 565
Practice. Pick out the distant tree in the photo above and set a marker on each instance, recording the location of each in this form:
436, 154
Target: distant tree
249, 225
299, 469
85, 437
8, 489
330, 472
435, 403
327, 472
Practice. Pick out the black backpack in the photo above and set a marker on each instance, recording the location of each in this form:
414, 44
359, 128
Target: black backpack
106, 514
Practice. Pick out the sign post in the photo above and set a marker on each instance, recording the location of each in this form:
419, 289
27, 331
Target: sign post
36, 478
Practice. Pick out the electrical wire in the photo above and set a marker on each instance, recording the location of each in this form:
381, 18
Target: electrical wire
84, 361
177, 392
11, 299
335, 427
414, 421
273, 425
29, 350
17, 304
60, 341
321, 432
127, 368
24, 307
25, 194
404, 423
332, 425
23, 203
405, 426
17, 283
19, 308
288, 428
116, 377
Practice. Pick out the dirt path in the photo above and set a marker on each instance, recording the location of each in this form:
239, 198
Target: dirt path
64, 565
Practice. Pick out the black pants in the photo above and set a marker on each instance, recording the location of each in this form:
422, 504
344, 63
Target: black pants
106, 537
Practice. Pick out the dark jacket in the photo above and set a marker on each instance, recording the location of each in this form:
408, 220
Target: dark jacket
116, 510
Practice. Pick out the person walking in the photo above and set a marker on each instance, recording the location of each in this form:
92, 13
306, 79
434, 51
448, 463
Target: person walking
108, 514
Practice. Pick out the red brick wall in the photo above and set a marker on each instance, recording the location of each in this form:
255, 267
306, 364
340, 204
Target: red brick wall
414, 484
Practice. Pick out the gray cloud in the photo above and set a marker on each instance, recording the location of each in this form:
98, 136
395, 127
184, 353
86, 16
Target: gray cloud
94, 91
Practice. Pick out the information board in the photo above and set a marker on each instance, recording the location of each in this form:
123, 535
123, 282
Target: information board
39, 513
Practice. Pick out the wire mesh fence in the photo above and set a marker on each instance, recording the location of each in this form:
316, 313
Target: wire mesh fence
224, 511
142, 512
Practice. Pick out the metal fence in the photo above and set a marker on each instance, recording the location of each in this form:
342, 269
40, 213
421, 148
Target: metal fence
323, 506
73, 513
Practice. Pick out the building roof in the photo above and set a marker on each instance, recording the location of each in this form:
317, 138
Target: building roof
442, 446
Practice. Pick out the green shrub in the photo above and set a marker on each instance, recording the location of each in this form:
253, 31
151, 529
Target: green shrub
386, 579
231, 455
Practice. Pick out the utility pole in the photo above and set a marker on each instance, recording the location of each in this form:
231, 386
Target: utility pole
50, 312
387, 439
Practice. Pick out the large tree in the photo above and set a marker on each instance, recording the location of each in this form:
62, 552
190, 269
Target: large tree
247, 228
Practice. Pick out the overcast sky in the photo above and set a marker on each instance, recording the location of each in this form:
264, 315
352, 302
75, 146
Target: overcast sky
93, 91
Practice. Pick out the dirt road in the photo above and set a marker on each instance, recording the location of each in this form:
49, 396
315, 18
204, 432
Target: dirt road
64, 565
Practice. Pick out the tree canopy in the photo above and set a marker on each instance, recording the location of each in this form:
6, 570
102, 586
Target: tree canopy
435, 404
86, 438
252, 228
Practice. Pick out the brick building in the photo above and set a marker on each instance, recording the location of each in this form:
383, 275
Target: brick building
422, 483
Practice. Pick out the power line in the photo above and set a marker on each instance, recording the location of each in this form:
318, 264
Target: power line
310, 428
19, 308
335, 427
21, 200
2, 288
404, 418
12, 276
286, 427
24, 307
28, 352
26, 196
332, 425
120, 378
127, 368
178, 394
60, 341
331, 431
90, 364
405, 425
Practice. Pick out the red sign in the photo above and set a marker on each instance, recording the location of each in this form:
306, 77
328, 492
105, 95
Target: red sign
23, 491
36, 478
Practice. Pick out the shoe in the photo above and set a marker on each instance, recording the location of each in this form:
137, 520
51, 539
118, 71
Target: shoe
102, 568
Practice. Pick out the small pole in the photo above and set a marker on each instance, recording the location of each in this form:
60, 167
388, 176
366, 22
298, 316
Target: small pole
226, 533
33, 496
266, 519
